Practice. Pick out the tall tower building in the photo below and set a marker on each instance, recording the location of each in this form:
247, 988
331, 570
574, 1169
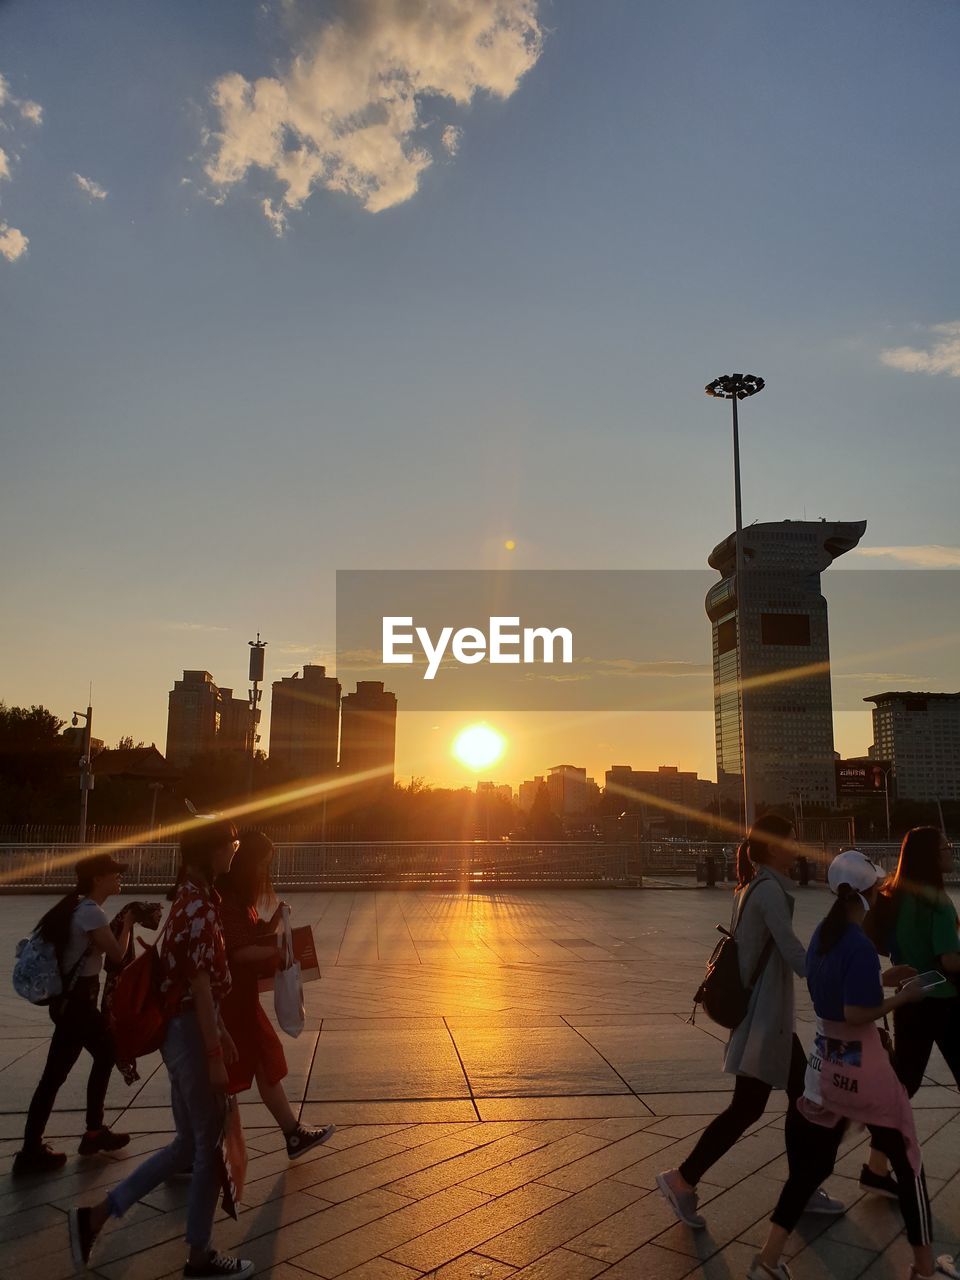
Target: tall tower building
305, 722
779, 641
919, 733
368, 731
193, 717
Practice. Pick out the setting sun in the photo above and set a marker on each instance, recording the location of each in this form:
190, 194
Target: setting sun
478, 746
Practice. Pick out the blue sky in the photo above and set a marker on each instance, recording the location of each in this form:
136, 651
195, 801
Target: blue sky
203, 419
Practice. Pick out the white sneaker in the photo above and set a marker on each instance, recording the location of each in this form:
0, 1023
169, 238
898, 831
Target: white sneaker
820, 1202
760, 1271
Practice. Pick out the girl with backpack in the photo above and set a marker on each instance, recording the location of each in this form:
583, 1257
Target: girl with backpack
851, 1077
197, 1051
915, 923
252, 951
763, 1052
80, 934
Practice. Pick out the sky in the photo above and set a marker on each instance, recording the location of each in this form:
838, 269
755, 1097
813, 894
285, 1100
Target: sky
287, 288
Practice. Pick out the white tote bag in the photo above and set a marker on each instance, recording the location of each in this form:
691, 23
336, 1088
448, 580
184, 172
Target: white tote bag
288, 986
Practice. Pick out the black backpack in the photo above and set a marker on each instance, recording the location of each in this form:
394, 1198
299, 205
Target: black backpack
722, 993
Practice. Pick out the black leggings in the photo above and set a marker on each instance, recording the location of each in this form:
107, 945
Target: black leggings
77, 1025
750, 1098
916, 1029
812, 1154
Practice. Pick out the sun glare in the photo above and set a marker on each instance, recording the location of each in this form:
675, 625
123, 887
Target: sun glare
478, 746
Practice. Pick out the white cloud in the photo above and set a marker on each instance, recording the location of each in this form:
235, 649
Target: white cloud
349, 112
941, 354
90, 188
929, 556
13, 243
275, 216
450, 138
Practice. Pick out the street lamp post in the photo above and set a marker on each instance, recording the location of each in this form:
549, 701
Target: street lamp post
734, 387
86, 769
256, 676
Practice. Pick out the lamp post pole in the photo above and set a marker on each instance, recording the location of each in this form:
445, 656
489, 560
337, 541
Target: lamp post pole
86, 771
256, 676
734, 387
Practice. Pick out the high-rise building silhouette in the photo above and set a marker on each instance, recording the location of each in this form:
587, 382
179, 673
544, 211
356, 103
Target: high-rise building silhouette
202, 717
780, 642
305, 722
368, 732
919, 733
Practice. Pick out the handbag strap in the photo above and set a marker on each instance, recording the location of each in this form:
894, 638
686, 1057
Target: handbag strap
287, 938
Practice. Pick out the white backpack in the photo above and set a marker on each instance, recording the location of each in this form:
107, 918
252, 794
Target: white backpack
36, 972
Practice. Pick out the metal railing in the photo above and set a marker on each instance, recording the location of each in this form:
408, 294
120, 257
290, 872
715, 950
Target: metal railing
450, 864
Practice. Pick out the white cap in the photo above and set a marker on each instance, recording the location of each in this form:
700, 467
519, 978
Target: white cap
855, 869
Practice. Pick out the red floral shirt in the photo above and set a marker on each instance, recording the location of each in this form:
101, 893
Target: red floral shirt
193, 943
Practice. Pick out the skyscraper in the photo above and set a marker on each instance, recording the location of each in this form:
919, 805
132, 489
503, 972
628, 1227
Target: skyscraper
368, 731
305, 722
919, 733
193, 717
781, 645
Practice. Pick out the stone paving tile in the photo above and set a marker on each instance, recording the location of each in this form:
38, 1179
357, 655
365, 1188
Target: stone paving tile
415, 1220
827, 1259
472, 1266
397, 1166
625, 1232
471, 1231
555, 1227
728, 1216
469, 1165
407, 1111
533, 1062
561, 1265
607, 1162
600, 1107
650, 1263
534, 1165
378, 1269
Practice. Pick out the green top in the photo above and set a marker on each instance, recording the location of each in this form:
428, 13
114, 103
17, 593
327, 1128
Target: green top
926, 930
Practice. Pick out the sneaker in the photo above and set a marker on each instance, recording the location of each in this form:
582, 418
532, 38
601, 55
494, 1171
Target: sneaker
883, 1184
760, 1271
946, 1266
82, 1236
304, 1137
683, 1203
220, 1264
820, 1202
102, 1140
43, 1160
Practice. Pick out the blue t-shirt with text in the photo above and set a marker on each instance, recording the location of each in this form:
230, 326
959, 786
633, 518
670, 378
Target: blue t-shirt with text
847, 974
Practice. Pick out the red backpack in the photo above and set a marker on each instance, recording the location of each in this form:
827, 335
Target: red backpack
138, 1013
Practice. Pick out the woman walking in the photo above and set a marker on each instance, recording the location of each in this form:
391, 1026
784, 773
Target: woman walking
763, 1052
915, 923
252, 951
80, 934
197, 1051
850, 1077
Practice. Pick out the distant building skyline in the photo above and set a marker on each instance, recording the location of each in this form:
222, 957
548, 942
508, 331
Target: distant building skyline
919, 733
202, 717
305, 722
368, 731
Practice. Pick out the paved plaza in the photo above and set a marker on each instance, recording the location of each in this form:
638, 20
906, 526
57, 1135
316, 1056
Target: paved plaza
508, 1074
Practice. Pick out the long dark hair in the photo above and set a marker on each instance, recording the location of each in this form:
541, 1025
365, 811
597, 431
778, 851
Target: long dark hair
836, 921
766, 833
54, 927
248, 881
918, 873
197, 846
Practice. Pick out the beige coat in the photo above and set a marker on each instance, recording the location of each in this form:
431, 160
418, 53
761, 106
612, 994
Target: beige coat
761, 1046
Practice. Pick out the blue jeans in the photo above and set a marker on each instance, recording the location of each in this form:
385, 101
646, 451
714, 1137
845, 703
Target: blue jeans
198, 1112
